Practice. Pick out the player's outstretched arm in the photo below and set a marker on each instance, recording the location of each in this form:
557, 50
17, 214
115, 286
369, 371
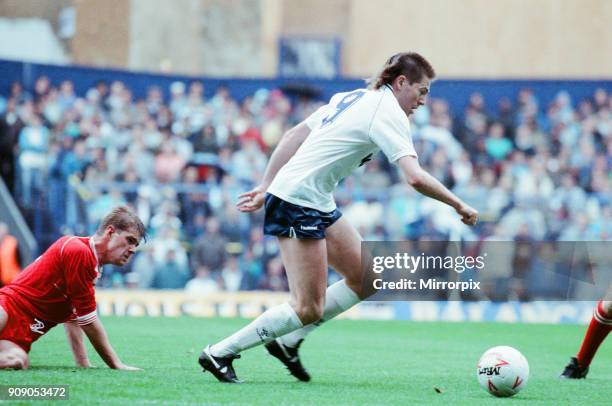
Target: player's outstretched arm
75, 339
426, 184
98, 338
286, 148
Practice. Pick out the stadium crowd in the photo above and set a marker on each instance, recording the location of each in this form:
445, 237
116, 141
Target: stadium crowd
534, 172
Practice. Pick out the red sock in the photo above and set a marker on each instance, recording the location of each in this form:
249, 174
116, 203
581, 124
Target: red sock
600, 326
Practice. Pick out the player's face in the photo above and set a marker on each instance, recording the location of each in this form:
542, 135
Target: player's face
122, 245
411, 95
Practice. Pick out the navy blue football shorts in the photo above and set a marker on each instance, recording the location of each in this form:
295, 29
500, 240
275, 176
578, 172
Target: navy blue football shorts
284, 219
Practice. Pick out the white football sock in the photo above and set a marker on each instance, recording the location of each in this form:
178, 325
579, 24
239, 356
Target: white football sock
272, 323
338, 298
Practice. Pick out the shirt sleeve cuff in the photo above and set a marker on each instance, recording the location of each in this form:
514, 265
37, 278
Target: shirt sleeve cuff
401, 154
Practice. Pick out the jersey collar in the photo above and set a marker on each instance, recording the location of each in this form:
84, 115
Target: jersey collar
92, 245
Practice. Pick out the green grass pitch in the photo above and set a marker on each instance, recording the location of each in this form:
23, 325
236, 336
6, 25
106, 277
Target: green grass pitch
352, 362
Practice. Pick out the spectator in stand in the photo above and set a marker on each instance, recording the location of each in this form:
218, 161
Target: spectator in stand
227, 193
180, 139
75, 161
247, 160
168, 164
33, 146
143, 267
474, 192
178, 101
98, 206
506, 116
205, 140
498, 147
166, 218
524, 212
461, 169
231, 274
154, 100
252, 269
599, 184
50, 106
139, 156
166, 240
66, 97
152, 136
577, 229
143, 205
568, 195
196, 227
10, 127
438, 130
209, 249
224, 107
98, 171
170, 273
193, 197
275, 278
231, 225
202, 283
42, 87
527, 106
19, 94
473, 118
475, 141
57, 185
524, 140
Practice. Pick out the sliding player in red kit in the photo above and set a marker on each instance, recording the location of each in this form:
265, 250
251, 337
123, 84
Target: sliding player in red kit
59, 288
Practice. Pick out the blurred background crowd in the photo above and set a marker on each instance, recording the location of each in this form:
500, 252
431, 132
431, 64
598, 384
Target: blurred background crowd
535, 172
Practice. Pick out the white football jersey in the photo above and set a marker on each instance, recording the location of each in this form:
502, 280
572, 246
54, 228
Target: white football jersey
344, 135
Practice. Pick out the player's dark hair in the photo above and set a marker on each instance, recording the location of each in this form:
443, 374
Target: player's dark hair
122, 218
409, 64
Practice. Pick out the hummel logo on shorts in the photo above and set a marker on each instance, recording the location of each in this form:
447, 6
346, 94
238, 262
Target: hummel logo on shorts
309, 228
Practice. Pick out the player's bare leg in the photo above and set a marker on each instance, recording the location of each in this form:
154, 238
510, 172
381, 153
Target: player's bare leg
344, 255
599, 328
306, 266
305, 262
11, 355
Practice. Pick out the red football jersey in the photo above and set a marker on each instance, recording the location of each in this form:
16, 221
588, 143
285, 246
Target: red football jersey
59, 285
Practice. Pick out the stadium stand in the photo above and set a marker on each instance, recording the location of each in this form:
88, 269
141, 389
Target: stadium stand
536, 166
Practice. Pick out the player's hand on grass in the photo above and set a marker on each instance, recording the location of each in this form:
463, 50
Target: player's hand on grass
251, 200
469, 215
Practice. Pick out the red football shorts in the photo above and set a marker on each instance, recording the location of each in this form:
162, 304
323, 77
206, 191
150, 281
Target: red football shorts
21, 328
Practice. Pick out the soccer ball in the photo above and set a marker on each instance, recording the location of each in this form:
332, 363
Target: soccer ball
502, 371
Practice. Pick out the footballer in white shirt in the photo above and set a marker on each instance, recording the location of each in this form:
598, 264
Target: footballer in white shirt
297, 191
